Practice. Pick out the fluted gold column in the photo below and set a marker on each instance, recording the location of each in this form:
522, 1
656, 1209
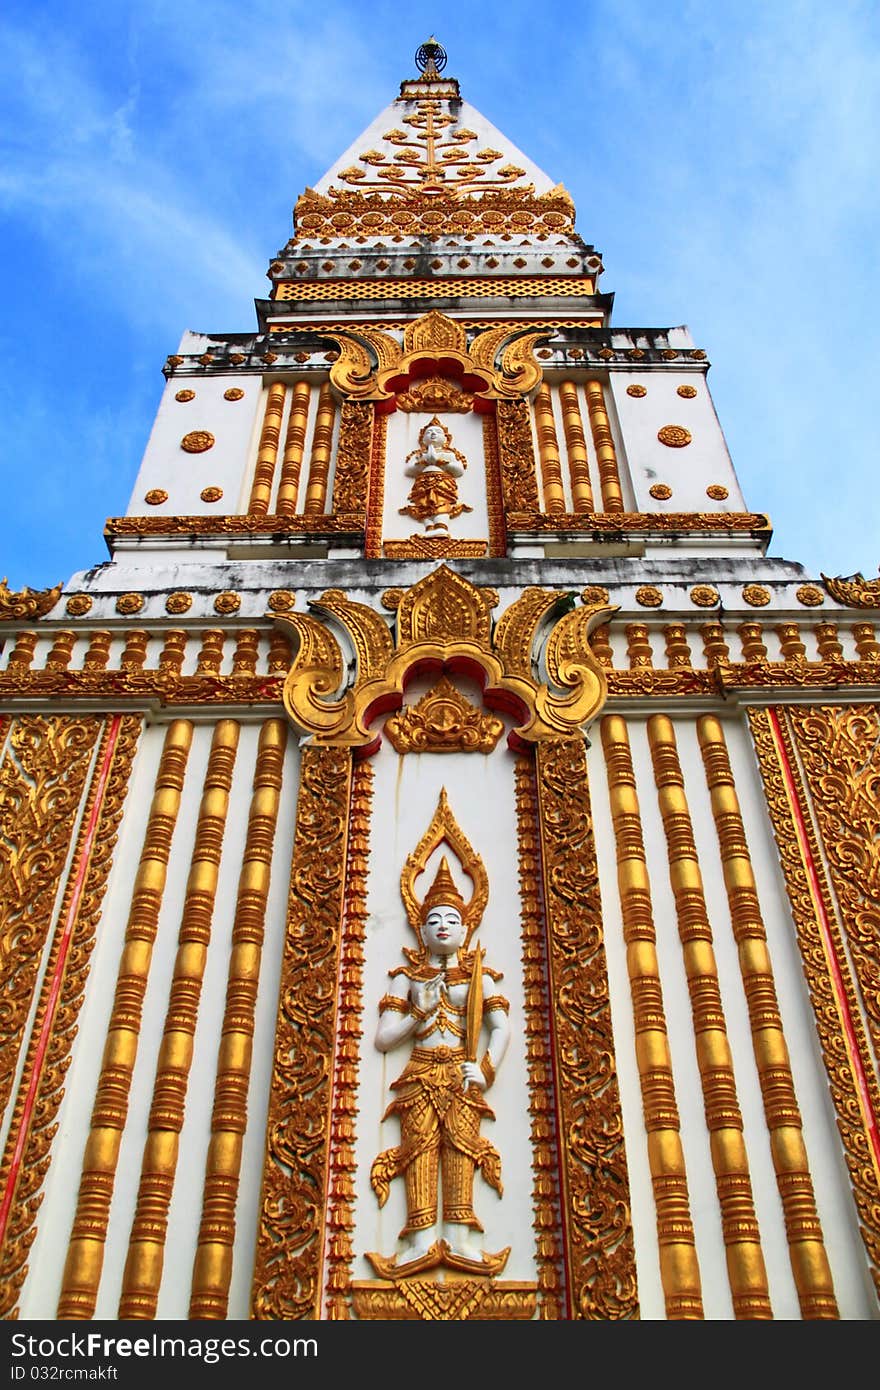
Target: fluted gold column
809, 1261
319, 462
603, 441
548, 452
745, 1261
212, 1271
85, 1255
267, 453
143, 1268
679, 1268
576, 447
294, 445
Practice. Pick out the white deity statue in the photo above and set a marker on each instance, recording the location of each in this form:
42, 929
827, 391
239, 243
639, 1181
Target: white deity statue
439, 1003
434, 466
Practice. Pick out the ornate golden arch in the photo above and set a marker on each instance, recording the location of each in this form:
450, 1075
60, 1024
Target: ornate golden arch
444, 623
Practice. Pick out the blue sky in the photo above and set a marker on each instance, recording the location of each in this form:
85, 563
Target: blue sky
722, 157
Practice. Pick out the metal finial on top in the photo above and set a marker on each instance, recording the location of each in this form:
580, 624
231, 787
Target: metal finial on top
431, 57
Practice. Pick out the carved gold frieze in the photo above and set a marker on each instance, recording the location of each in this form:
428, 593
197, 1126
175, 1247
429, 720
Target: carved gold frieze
443, 622
459, 1301
366, 216
434, 548
443, 721
620, 522
242, 524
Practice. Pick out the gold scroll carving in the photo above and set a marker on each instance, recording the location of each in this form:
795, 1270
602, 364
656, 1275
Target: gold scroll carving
802, 869
353, 458
855, 591
287, 1274
27, 603
598, 1230
35, 1154
838, 747
41, 784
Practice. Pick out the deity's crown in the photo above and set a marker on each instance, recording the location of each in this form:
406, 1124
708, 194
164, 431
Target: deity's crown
443, 892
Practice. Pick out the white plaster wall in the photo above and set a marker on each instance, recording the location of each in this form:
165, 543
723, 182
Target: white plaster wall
183, 475
689, 470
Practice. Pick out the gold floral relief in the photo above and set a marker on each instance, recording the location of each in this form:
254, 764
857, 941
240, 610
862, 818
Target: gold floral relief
287, 1274
60, 1000
41, 785
595, 1195
353, 457
832, 993
838, 747
516, 457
